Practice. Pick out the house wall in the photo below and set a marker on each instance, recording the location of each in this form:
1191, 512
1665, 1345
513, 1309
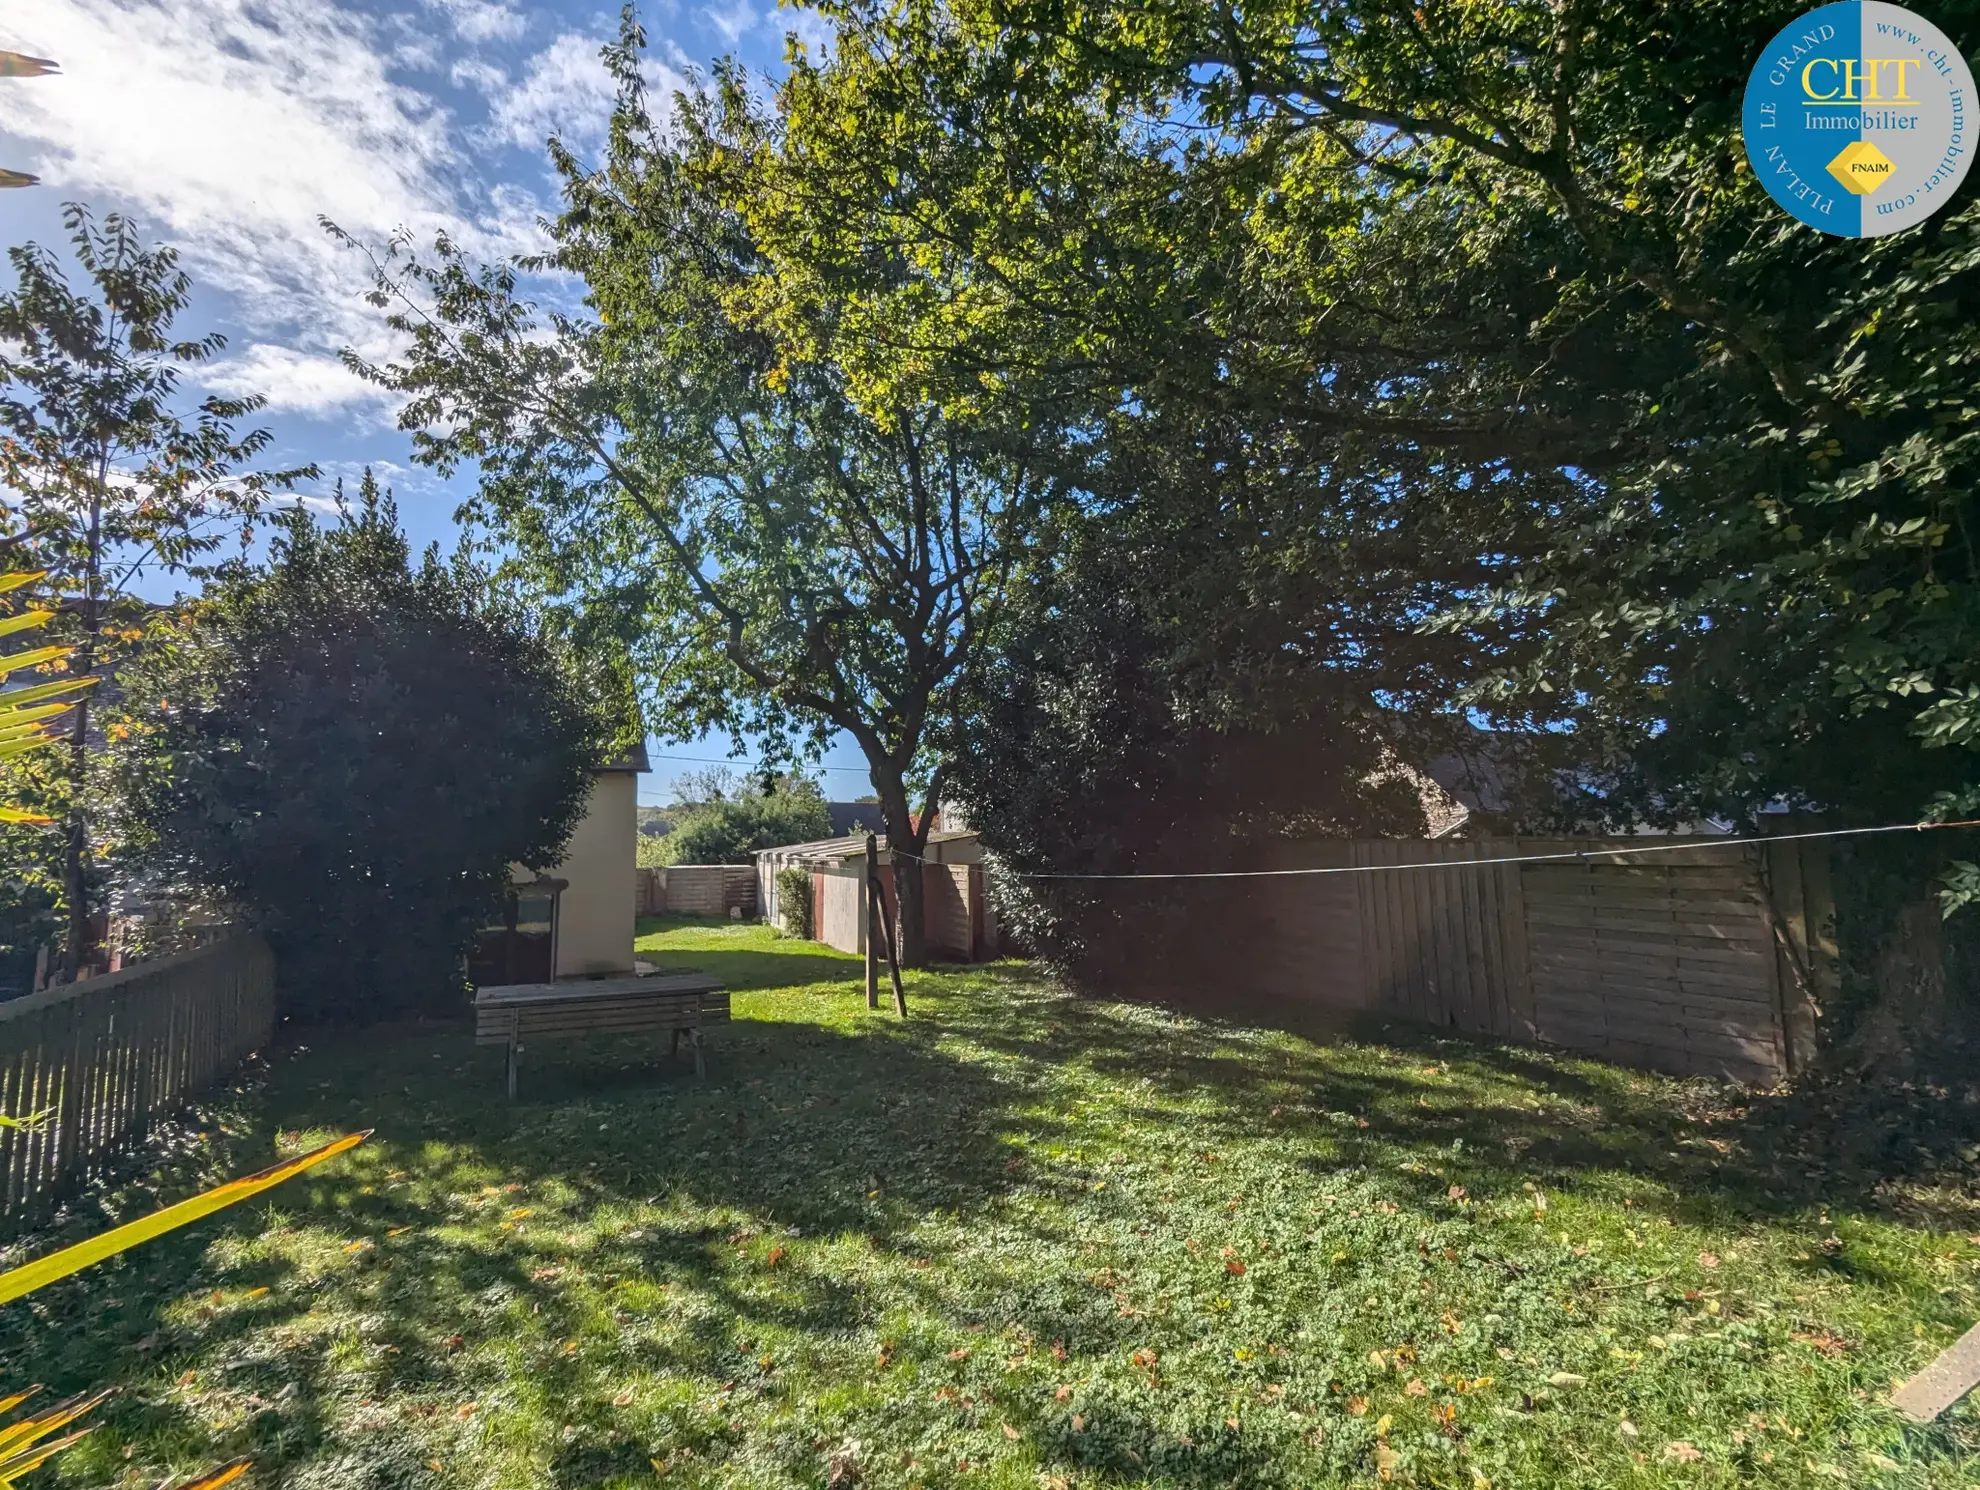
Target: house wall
596, 912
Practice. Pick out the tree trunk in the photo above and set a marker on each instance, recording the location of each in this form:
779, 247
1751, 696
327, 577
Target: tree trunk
75, 850
906, 845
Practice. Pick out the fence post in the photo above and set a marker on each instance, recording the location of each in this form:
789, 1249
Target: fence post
870, 897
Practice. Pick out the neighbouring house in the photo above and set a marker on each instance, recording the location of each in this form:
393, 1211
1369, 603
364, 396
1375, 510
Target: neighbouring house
956, 917
574, 920
854, 819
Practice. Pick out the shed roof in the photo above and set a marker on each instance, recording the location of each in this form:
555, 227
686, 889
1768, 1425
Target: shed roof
836, 850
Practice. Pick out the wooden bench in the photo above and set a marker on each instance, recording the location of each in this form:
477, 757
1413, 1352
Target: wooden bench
516, 1014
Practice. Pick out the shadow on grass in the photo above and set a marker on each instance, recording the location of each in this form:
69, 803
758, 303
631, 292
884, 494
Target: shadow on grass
809, 1130
1700, 1150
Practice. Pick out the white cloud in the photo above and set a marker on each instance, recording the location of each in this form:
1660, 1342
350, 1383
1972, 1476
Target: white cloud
483, 20
734, 21
815, 31
564, 90
226, 127
310, 383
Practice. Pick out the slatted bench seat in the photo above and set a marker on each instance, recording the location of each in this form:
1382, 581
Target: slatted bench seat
516, 1014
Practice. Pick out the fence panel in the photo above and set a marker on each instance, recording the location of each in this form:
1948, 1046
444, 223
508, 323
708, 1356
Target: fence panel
1705, 959
105, 1058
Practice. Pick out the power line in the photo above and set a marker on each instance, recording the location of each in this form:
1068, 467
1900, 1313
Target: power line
1675, 846
709, 760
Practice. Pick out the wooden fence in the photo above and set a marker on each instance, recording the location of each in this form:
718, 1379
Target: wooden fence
1697, 960
698, 890
103, 1059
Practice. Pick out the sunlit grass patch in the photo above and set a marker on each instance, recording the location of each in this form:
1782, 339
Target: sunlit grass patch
1027, 1240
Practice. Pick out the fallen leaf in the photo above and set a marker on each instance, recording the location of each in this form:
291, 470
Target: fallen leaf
1384, 1423
465, 1410
1078, 1423
1566, 1379
398, 1231
518, 1213
1010, 1433
1706, 1260
1681, 1451
1415, 1388
1358, 1406
1064, 1394
961, 1353
777, 1255
624, 1399
1457, 1192
1234, 1266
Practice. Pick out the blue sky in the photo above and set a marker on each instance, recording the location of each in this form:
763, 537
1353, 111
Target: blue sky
226, 126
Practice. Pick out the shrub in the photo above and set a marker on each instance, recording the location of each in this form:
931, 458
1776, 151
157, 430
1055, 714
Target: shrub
730, 832
355, 749
794, 900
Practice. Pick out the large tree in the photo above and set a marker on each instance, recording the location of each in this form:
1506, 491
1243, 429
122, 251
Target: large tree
109, 477
355, 747
1682, 486
780, 557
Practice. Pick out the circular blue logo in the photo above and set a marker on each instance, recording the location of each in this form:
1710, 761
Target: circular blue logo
1860, 119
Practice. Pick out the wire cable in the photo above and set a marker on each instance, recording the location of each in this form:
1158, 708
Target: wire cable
1674, 846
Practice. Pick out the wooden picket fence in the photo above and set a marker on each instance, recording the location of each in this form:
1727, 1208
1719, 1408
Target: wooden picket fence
101, 1061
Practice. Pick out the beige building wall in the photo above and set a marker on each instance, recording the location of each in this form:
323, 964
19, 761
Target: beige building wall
600, 903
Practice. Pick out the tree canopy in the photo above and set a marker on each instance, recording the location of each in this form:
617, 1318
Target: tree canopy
111, 474
1481, 309
778, 558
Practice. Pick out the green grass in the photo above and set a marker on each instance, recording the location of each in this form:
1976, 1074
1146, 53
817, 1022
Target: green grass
1028, 1240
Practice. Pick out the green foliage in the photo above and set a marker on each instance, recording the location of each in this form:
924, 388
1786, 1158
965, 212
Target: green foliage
794, 909
1023, 1209
1480, 310
780, 559
1108, 737
356, 748
730, 832
107, 479
32, 714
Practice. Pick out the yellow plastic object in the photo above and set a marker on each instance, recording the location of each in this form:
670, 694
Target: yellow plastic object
45, 1270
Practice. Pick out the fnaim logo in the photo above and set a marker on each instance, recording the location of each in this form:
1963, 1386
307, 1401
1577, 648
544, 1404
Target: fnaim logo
1859, 118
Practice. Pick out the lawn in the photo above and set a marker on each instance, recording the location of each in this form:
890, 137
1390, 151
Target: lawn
1027, 1240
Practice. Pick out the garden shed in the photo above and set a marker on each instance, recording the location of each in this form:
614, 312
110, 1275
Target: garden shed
957, 920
